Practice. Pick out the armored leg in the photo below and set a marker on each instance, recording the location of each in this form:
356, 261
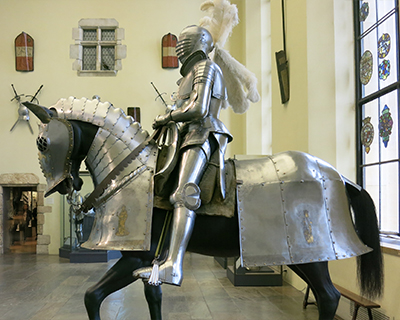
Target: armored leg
186, 199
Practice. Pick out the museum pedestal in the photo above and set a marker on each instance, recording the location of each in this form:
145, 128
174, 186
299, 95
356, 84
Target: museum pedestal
258, 276
88, 256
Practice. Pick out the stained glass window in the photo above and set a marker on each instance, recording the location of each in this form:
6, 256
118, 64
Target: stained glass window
377, 103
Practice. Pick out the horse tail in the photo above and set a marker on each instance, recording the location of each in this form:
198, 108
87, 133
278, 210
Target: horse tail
369, 265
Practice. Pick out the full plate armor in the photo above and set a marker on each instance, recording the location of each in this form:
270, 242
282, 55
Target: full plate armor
204, 138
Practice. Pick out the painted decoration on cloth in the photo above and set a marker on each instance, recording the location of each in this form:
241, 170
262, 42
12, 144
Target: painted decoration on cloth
366, 65
384, 69
24, 52
385, 125
364, 11
367, 134
383, 45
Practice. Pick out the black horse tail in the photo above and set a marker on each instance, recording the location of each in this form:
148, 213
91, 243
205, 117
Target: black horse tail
369, 265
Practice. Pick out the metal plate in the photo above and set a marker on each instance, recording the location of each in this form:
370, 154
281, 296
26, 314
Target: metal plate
293, 209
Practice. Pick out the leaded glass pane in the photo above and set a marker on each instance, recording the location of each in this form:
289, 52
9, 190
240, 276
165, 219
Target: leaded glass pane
378, 38
108, 58
370, 123
107, 35
371, 183
389, 192
388, 127
89, 34
89, 58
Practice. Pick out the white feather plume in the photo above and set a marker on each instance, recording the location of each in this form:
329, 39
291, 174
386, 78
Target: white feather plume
241, 83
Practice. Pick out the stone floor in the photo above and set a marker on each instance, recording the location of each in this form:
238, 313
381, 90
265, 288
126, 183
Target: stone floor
41, 287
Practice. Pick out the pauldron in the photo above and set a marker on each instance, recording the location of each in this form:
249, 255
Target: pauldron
204, 71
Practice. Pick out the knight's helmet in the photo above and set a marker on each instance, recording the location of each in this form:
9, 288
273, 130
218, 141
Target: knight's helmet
194, 39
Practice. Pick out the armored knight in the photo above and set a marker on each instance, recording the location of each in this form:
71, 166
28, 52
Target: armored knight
201, 92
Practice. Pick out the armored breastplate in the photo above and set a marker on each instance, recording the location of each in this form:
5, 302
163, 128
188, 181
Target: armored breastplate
203, 71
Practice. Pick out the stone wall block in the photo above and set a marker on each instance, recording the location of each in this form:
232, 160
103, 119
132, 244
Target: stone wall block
40, 198
42, 249
41, 187
40, 219
43, 239
44, 209
39, 229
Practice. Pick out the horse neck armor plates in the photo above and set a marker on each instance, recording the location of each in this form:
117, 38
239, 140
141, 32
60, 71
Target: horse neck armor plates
293, 209
117, 137
124, 211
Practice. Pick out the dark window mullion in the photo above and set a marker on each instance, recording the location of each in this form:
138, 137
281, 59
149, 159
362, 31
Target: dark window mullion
397, 23
357, 53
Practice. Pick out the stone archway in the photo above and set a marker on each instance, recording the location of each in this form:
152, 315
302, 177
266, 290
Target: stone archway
10, 180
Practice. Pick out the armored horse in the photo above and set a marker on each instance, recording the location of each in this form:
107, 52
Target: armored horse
290, 208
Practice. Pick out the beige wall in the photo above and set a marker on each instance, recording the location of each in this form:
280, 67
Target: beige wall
319, 118
50, 23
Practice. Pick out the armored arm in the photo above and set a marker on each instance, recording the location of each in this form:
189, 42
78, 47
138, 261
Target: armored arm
205, 82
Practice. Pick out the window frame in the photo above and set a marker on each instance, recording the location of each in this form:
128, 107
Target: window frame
362, 101
77, 50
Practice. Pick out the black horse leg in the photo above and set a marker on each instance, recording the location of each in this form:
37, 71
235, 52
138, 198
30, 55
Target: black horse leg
153, 296
119, 276
316, 275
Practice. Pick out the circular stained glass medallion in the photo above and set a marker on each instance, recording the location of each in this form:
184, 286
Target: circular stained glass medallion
385, 125
364, 11
367, 134
384, 69
366, 65
383, 45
